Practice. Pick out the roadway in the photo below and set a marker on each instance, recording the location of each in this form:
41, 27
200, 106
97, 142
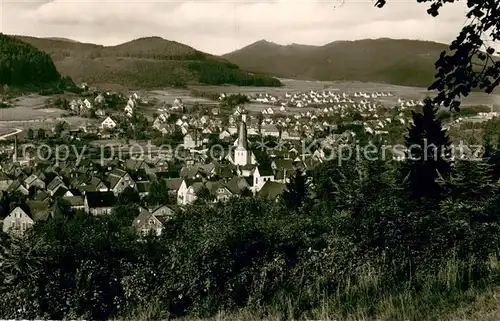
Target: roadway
15, 132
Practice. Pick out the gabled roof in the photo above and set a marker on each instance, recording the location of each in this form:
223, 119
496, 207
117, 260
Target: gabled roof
174, 184
143, 187
39, 210
196, 186
100, 199
60, 191
4, 177
190, 172
74, 200
284, 164
118, 172
56, 182
158, 211
272, 189
41, 196
237, 184
265, 170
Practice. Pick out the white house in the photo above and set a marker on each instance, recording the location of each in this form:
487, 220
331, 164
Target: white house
108, 123
17, 221
261, 175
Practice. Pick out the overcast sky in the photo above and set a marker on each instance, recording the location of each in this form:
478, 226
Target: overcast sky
219, 26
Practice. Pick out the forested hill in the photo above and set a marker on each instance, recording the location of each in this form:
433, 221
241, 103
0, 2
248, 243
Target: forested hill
391, 61
149, 62
22, 64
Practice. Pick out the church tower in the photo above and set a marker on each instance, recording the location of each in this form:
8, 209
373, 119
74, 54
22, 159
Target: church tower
242, 154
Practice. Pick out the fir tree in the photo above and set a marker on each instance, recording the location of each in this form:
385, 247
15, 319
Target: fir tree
295, 191
428, 154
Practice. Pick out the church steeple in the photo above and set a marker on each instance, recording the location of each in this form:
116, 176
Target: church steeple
242, 155
242, 137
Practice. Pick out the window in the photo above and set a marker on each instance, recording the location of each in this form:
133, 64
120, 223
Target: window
151, 222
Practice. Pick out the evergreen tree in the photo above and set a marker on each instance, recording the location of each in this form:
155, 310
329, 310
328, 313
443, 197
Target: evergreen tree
30, 134
295, 191
470, 188
428, 154
41, 133
158, 193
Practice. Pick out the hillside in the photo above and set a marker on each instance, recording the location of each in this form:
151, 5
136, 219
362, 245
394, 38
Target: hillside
21, 64
399, 62
144, 62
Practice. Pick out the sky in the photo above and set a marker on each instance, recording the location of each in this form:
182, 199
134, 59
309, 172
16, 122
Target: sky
217, 26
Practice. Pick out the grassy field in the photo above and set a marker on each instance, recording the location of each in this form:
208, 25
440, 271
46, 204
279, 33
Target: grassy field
403, 92
29, 110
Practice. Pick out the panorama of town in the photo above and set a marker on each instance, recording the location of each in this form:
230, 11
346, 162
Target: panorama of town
88, 149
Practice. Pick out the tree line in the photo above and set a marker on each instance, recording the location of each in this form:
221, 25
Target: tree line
23, 65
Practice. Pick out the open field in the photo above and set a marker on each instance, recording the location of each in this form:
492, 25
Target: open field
403, 92
29, 110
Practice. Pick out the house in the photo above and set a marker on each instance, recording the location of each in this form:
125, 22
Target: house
16, 186
191, 141
162, 212
225, 134
108, 123
261, 175
146, 223
5, 181
94, 185
187, 191
173, 185
222, 193
290, 135
99, 203
75, 202
181, 192
191, 192
143, 187
18, 221
119, 180
272, 190
191, 172
54, 185
270, 130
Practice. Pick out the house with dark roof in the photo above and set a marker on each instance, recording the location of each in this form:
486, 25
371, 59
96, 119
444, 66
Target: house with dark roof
162, 212
146, 223
34, 181
173, 185
16, 186
119, 180
143, 188
261, 175
187, 191
5, 181
271, 190
75, 202
99, 203
54, 185
20, 220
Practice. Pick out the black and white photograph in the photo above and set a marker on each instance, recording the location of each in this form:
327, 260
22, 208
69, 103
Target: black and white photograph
247, 160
